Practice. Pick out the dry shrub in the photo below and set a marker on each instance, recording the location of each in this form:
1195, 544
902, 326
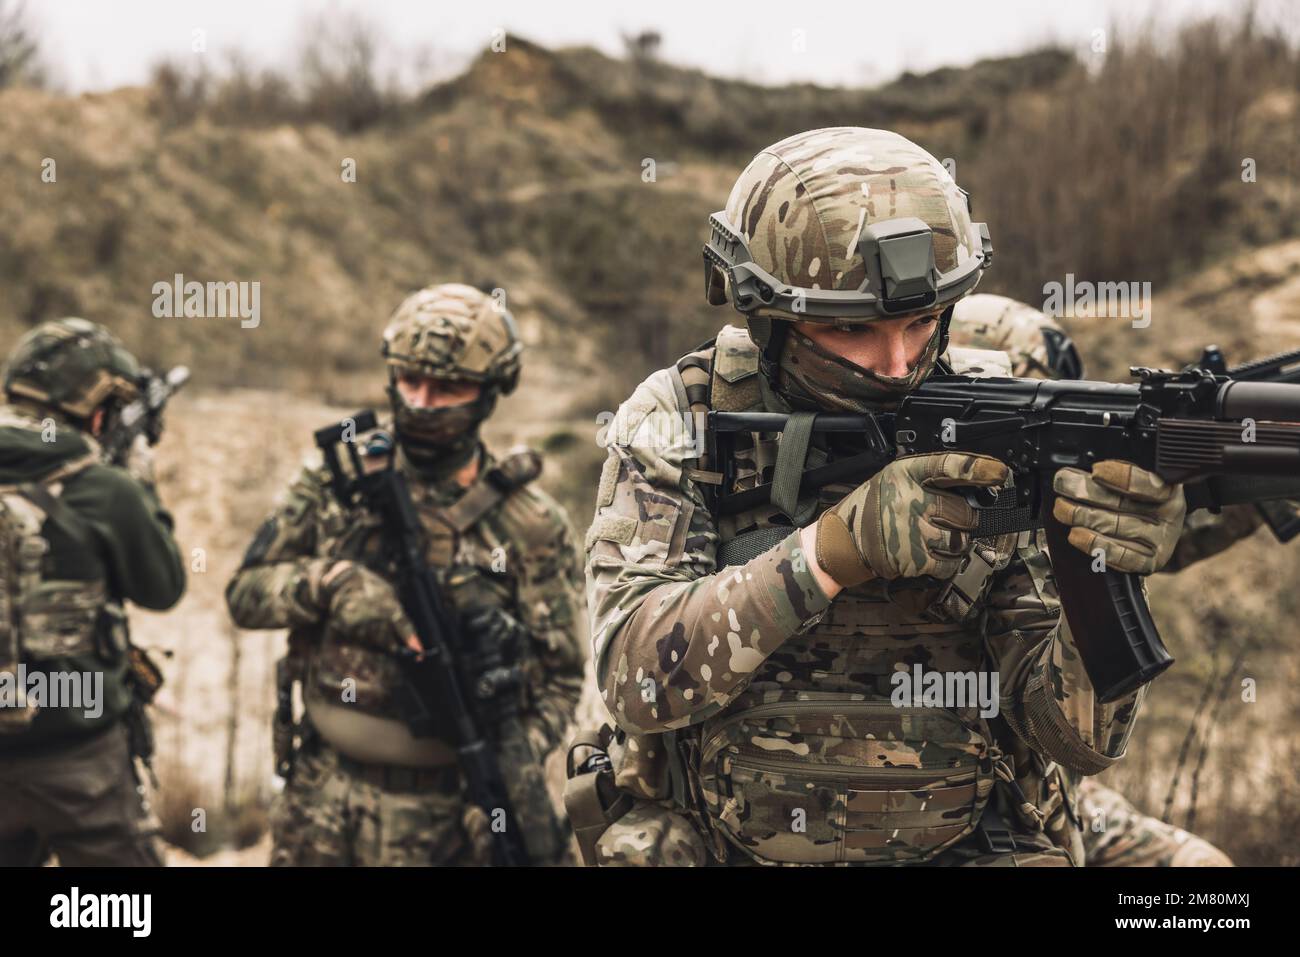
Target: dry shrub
1134, 171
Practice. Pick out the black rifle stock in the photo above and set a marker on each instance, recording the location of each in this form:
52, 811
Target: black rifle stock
436, 702
1229, 442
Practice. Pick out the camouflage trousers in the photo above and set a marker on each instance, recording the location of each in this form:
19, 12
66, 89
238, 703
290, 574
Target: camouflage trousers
333, 813
1115, 834
80, 802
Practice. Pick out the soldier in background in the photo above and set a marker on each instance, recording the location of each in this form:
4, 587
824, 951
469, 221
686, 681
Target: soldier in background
78, 538
362, 790
1115, 833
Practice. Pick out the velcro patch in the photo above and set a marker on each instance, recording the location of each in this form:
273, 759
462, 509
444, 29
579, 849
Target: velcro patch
612, 528
608, 481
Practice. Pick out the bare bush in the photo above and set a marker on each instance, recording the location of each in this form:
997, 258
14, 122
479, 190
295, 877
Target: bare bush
20, 63
337, 70
335, 80
1135, 170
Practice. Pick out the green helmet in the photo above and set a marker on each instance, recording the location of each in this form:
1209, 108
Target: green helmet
452, 332
843, 226
72, 365
1035, 342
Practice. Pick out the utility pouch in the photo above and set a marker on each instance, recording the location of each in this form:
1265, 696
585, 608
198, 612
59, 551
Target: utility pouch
591, 799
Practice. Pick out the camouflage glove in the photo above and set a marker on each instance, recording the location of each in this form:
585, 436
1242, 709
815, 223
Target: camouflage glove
1134, 516
901, 524
364, 607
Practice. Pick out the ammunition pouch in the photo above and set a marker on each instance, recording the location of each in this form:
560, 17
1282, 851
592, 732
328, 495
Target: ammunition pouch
592, 800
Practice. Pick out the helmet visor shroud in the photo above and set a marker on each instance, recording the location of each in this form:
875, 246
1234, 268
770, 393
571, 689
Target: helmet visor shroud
901, 275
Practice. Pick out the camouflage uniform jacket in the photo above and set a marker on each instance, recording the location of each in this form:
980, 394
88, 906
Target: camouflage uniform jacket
513, 552
752, 663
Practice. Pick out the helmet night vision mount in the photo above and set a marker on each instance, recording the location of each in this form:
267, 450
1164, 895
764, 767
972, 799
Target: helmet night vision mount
901, 276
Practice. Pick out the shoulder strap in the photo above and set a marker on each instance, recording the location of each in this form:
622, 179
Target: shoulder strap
58, 513
694, 372
519, 467
721, 375
39, 494
734, 381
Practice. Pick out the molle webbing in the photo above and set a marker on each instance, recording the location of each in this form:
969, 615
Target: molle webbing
696, 372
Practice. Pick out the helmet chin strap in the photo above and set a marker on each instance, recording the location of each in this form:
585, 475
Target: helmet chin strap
945, 320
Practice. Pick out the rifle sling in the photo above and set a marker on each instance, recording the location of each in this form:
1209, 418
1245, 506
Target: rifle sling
481, 497
39, 494
791, 459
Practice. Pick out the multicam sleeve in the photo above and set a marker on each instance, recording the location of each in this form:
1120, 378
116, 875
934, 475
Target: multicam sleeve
1046, 695
278, 585
549, 599
674, 640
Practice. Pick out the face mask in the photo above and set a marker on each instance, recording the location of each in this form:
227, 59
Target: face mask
439, 442
811, 375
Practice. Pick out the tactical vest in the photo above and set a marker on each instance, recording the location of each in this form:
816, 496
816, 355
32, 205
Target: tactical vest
813, 763
49, 624
468, 550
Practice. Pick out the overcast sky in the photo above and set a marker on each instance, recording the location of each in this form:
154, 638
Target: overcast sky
100, 44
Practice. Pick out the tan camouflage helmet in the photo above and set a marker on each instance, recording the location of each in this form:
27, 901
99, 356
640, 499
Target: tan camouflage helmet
72, 365
1036, 343
455, 332
844, 225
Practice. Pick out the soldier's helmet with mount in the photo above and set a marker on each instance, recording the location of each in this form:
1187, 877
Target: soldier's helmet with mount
454, 333
843, 226
72, 366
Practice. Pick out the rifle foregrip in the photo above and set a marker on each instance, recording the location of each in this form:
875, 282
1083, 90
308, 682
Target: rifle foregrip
1108, 617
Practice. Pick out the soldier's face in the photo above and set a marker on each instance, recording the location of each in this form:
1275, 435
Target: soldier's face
424, 392
889, 347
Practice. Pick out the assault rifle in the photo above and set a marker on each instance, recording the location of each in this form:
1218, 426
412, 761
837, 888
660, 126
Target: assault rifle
1282, 518
1229, 441
142, 415
436, 704
1283, 367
